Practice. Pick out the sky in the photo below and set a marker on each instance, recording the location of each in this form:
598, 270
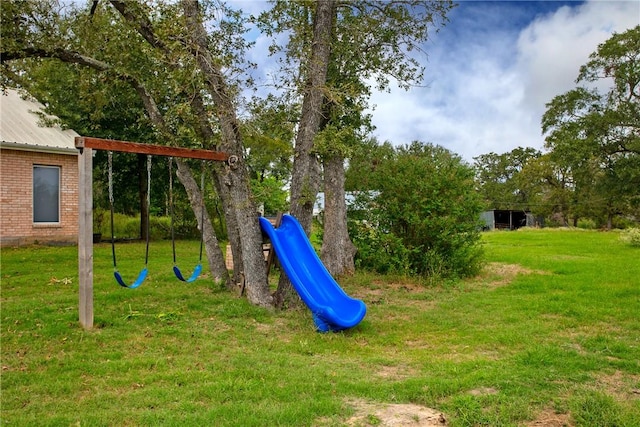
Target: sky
490, 71
493, 68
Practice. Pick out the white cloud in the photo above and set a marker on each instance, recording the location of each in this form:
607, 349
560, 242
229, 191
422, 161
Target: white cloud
488, 85
552, 48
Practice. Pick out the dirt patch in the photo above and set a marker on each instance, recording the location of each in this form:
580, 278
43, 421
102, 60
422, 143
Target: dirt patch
549, 418
483, 391
621, 386
496, 274
407, 414
394, 415
395, 372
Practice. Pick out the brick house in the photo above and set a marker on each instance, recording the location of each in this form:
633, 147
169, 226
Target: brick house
38, 176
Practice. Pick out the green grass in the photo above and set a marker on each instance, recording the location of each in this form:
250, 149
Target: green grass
551, 327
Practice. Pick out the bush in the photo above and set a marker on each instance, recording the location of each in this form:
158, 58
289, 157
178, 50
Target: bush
631, 236
378, 251
160, 227
423, 217
587, 224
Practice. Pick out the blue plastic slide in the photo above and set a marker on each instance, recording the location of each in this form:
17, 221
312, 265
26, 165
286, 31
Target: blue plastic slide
332, 308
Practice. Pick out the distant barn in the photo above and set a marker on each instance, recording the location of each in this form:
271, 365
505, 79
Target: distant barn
39, 175
503, 219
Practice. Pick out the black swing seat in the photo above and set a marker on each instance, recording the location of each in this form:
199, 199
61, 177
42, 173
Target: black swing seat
141, 276
192, 278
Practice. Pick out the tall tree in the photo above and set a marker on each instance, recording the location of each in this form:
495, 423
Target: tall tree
359, 60
550, 189
236, 176
588, 127
305, 177
402, 28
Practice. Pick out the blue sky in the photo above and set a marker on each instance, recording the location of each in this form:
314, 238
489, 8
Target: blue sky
490, 71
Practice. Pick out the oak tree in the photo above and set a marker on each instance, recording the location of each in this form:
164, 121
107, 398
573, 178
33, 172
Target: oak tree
595, 128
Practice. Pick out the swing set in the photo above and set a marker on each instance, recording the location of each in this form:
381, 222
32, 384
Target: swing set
86, 145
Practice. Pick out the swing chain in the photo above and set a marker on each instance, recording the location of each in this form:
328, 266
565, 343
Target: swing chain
202, 207
110, 173
148, 181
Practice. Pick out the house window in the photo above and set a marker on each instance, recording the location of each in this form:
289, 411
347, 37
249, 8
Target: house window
46, 194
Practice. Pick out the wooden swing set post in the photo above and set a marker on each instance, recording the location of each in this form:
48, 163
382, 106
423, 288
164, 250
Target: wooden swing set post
86, 145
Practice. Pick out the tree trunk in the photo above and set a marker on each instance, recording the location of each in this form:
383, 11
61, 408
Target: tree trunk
305, 178
337, 249
215, 259
233, 179
223, 186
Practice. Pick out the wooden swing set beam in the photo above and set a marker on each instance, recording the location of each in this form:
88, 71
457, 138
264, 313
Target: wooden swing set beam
83, 142
86, 145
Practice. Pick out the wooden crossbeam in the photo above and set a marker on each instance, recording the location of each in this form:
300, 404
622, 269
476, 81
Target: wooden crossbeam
83, 142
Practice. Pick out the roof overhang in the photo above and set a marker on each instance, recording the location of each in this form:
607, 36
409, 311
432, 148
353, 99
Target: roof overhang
7, 145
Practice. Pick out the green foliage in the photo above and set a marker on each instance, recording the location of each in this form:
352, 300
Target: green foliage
501, 180
422, 215
593, 134
268, 136
128, 227
591, 170
378, 251
96, 97
631, 236
271, 193
402, 28
587, 224
360, 60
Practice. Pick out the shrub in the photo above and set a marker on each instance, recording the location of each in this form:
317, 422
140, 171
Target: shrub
631, 236
423, 216
378, 251
160, 227
587, 224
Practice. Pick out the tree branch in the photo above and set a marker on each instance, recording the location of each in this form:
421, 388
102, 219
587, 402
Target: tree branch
73, 57
140, 22
61, 54
143, 26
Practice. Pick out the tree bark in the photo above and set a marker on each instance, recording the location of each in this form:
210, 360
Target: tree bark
233, 179
215, 259
305, 177
338, 250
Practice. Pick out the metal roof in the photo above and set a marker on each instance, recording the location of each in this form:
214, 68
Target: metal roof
20, 127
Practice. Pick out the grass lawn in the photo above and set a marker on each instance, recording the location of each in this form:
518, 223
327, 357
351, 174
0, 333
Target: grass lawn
547, 335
